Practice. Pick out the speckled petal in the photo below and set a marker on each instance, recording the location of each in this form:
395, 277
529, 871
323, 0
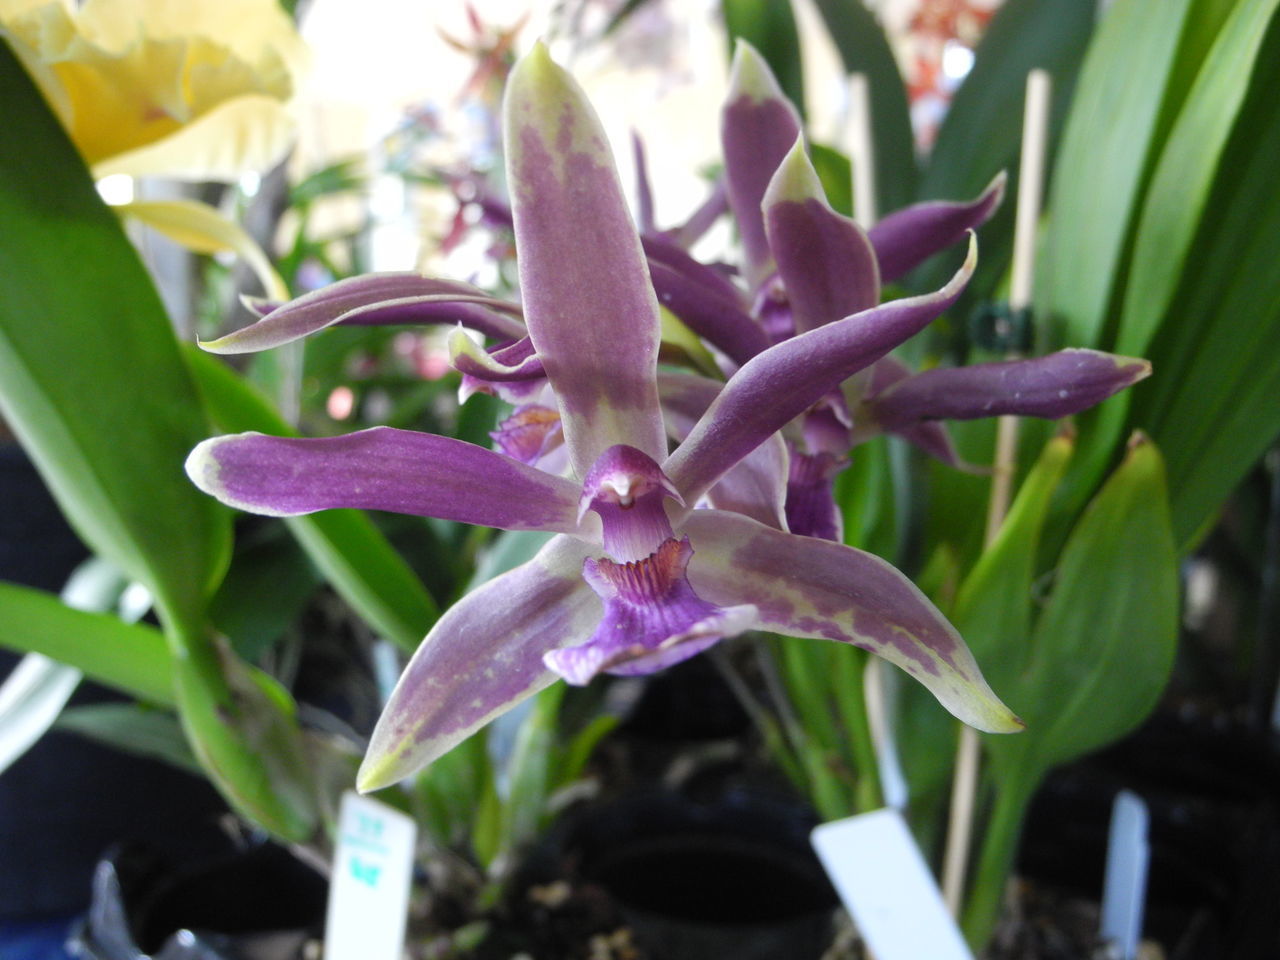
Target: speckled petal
804, 587
482, 658
401, 471
588, 302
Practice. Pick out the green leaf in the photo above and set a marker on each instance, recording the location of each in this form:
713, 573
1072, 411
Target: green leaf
770, 27
1203, 301
1129, 87
132, 658
864, 48
1104, 645
90, 375
31, 697
268, 586
995, 605
134, 729
344, 544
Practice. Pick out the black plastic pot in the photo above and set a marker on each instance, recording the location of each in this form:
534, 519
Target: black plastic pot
261, 903
696, 881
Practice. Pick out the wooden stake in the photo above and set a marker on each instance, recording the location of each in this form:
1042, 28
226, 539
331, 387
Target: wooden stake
1035, 128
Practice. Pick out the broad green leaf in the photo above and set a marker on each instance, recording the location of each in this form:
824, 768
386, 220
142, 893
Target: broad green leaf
266, 589
530, 772
1203, 297
836, 175
995, 605
344, 544
90, 375
982, 132
1129, 86
770, 27
1104, 645
864, 48
1102, 651
993, 610
242, 725
132, 658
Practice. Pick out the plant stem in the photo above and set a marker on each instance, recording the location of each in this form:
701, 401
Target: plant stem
999, 846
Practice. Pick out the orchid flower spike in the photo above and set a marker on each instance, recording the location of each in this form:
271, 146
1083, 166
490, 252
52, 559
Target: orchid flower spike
635, 578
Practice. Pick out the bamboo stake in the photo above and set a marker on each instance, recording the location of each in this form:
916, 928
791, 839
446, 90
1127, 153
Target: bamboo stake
862, 152
1035, 127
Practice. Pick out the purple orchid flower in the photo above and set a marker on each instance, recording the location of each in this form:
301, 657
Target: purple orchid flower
635, 579
810, 266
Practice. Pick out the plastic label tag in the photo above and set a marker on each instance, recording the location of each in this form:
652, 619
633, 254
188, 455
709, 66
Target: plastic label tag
369, 890
884, 883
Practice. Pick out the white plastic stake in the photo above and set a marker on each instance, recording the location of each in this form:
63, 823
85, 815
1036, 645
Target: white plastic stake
1125, 886
886, 886
369, 888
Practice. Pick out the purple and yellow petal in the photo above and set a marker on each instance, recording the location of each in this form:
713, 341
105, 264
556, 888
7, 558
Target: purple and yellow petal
382, 468
792, 376
588, 301
376, 299
1050, 387
482, 658
907, 237
827, 266
805, 587
757, 128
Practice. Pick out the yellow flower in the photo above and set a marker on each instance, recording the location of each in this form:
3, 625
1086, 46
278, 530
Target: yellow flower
195, 89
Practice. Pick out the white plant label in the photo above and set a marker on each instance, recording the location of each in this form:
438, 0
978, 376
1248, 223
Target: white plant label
885, 884
369, 890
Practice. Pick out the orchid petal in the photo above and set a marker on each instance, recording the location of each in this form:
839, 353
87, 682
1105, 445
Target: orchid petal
480, 659
382, 468
377, 298
515, 361
825, 261
792, 376
1052, 386
805, 587
755, 486
757, 128
589, 305
907, 237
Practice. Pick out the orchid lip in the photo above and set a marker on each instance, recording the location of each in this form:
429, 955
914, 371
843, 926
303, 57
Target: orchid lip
652, 619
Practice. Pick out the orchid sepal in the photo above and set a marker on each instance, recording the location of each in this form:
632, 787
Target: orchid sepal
375, 299
588, 302
483, 656
383, 468
906, 238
